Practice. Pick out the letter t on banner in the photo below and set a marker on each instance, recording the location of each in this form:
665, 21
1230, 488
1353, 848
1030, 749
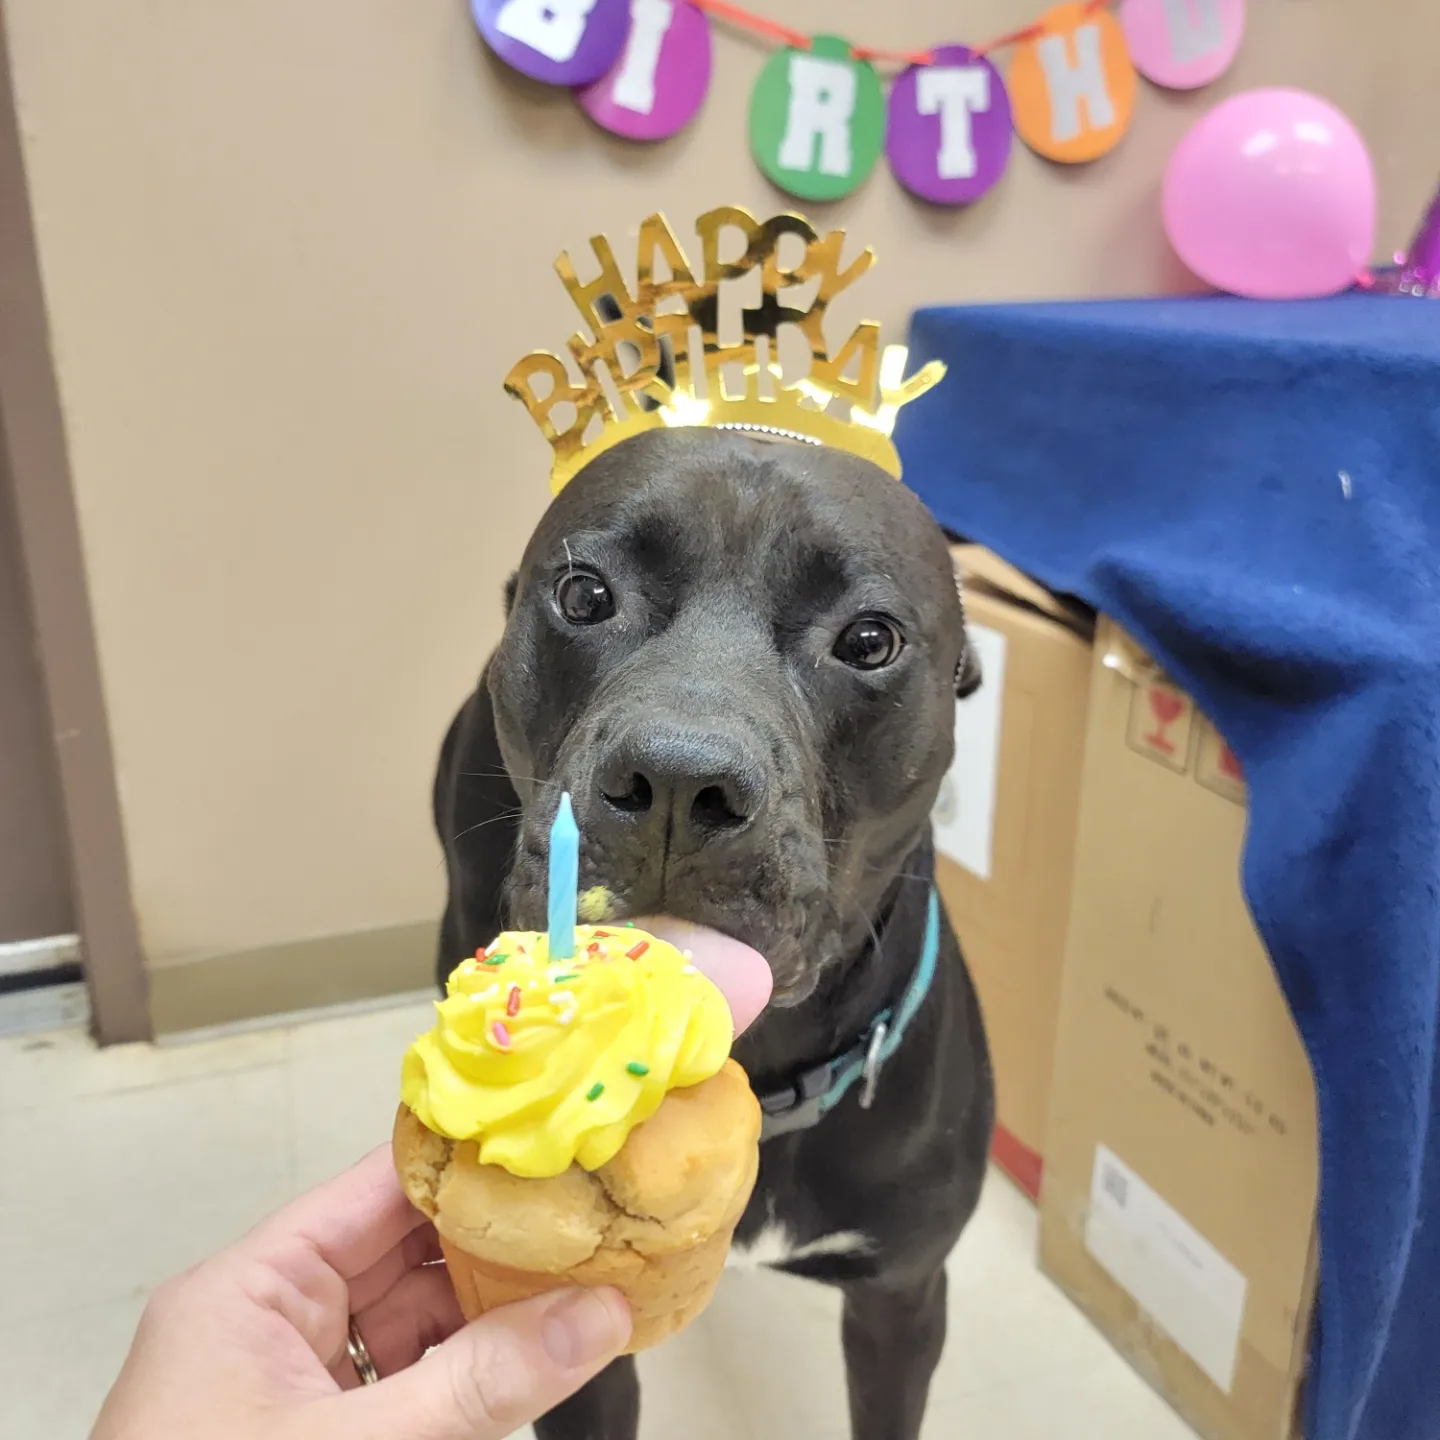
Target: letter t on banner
817, 119
1073, 87
949, 133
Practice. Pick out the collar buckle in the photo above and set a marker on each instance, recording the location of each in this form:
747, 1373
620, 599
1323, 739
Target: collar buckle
874, 1060
798, 1106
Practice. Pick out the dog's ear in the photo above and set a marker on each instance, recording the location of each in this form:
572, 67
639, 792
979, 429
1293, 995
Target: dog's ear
511, 585
968, 673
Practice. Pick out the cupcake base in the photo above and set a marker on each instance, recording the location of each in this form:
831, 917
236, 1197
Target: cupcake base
664, 1292
655, 1222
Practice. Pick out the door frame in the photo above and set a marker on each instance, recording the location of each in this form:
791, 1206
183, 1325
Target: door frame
32, 429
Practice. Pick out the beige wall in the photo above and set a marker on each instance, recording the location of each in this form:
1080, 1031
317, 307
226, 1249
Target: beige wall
290, 249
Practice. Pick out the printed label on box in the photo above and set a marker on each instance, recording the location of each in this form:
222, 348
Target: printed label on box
964, 815
1161, 721
1167, 1266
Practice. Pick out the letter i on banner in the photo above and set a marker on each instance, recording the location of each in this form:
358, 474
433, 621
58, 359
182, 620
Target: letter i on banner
1183, 44
559, 42
660, 80
817, 119
1073, 88
948, 129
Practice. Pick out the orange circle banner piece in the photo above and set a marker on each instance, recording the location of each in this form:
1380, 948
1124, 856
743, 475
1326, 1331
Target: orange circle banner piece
1073, 87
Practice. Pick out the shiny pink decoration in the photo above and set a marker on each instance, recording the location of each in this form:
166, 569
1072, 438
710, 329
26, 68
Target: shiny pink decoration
1417, 269
1183, 44
1272, 195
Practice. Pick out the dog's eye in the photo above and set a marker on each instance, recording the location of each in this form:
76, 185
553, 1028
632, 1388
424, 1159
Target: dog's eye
869, 643
583, 598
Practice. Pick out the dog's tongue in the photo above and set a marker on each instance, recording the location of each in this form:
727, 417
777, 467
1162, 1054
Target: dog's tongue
741, 973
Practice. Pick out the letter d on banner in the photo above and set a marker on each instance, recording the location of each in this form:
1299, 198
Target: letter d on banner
817, 119
1073, 88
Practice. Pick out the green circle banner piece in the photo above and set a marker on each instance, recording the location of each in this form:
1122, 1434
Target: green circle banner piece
817, 119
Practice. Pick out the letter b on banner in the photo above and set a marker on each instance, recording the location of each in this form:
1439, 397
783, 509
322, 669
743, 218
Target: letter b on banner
560, 42
1073, 88
817, 119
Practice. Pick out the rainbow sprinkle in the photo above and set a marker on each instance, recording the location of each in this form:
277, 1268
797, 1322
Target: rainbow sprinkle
595, 1091
496, 959
501, 1034
512, 1003
560, 979
636, 951
636, 1068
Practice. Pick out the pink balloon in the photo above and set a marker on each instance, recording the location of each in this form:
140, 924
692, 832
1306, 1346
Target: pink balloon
1272, 195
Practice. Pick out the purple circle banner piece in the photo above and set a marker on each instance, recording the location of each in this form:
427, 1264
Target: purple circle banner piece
558, 42
660, 80
948, 133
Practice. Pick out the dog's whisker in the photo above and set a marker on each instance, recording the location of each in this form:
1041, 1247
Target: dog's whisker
481, 824
503, 774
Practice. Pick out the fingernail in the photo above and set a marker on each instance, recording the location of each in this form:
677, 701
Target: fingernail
584, 1327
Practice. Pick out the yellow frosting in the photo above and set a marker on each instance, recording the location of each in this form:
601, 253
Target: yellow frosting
547, 1062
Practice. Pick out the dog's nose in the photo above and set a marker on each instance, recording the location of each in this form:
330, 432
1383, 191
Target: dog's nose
705, 783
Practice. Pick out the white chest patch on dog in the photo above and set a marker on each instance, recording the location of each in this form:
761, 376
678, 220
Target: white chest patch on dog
775, 1245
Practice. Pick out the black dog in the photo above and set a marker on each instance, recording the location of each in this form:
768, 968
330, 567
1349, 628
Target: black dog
741, 658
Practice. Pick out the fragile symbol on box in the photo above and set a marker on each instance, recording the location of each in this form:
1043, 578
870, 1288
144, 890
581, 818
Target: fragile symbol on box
1161, 721
1217, 768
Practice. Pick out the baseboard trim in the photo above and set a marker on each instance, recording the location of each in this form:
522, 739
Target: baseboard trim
242, 985
21, 957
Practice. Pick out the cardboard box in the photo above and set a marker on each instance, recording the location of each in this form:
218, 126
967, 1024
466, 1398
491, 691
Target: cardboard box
1181, 1160
1005, 831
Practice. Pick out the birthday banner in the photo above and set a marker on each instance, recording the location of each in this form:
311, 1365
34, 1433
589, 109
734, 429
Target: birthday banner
820, 117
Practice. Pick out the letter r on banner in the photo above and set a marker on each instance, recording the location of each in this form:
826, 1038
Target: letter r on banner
822, 101
1070, 84
954, 93
649, 25
555, 28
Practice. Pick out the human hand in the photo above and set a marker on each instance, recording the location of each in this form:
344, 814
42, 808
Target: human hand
251, 1344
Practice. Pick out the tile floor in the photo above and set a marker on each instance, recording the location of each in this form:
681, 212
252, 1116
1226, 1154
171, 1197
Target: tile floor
196, 1140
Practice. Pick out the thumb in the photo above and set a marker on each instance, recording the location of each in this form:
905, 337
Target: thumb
497, 1374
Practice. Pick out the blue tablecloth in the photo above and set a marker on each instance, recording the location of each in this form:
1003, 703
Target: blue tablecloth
1253, 489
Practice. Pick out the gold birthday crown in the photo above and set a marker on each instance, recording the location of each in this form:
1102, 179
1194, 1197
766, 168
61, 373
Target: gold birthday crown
638, 362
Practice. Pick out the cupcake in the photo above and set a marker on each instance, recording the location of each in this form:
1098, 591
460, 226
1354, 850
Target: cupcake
578, 1122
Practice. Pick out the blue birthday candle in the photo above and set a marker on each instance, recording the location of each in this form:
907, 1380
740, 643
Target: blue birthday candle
564, 880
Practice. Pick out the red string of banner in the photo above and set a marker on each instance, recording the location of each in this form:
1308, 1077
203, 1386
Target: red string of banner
774, 30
